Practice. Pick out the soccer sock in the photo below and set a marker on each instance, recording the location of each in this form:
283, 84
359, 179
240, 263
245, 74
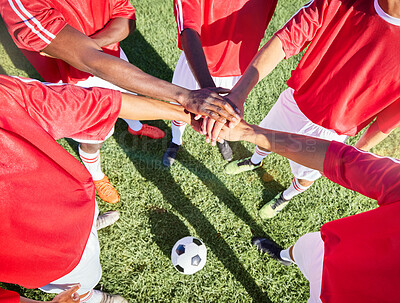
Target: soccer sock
134, 124
258, 156
92, 163
284, 254
87, 297
178, 127
294, 189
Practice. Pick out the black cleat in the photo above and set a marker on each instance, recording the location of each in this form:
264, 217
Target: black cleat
170, 155
226, 150
271, 248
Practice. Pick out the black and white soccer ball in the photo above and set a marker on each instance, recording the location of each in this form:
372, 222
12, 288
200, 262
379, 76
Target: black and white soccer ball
189, 255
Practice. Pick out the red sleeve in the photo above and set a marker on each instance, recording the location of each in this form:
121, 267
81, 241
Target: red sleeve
31, 24
7, 296
123, 9
187, 15
373, 176
302, 27
389, 118
67, 110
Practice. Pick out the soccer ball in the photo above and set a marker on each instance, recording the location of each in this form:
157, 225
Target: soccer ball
189, 255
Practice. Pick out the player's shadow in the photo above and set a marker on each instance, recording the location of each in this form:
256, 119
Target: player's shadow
15, 55
141, 54
166, 228
271, 186
147, 160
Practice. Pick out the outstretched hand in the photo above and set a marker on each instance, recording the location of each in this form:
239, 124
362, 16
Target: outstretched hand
68, 296
208, 103
211, 128
241, 132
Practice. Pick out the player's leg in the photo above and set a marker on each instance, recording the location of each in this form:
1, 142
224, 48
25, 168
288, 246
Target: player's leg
229, 83
304, 177
182, 77
307, 253
87, 273
135, 127
278, 118
89, 152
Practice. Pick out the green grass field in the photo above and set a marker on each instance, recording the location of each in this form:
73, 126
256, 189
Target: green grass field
158, 205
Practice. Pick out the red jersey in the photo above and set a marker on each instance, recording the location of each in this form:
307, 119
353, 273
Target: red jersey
350, 72
48, 197
361, 261
34, 24
230, 31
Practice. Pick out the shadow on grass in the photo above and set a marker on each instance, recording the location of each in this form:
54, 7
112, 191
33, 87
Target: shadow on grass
141, 54
147, 160
271, 187
15, 55
167, 229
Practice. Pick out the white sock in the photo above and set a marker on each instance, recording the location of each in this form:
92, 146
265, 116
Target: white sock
134, 124
92, 163
178, 127
294, 189
258, 155
94, 296
285, 255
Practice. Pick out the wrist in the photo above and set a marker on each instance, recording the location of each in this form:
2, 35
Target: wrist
181, 96
260, 136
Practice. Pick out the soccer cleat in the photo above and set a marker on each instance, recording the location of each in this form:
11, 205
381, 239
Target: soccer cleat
107, 219
226, 150
148, 131
273, 207
170, 155
106, 191
239, 166
270, 248
108, 298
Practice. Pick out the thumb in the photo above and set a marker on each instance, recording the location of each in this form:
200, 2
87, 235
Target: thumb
73, 290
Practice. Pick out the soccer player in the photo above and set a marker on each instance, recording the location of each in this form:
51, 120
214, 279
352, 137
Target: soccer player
78, 42
48, 229
347, 77
353, 259
218, 42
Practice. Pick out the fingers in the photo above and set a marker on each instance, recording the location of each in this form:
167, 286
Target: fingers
73, 289
215, 132
226, 109
68, 296
220, 90
209, 128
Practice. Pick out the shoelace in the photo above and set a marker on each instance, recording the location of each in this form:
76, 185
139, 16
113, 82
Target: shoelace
246, 162
278, 202
105, 188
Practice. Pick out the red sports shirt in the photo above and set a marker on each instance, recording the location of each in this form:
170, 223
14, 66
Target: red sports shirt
230, 31
48, 198
350, 72
361, 262
34, 24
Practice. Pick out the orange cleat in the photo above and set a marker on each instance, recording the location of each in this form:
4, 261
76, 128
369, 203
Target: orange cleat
106, 191
148, 131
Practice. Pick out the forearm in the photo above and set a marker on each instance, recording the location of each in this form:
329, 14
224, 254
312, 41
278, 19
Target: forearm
26, 300
142, 108
114, 31
262, 64
84, 54
196, 58
304, 150
371, 137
